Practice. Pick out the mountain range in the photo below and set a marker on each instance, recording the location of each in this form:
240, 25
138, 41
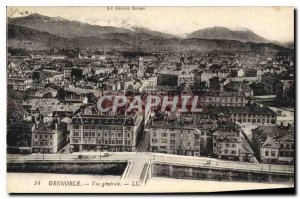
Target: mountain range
39, 31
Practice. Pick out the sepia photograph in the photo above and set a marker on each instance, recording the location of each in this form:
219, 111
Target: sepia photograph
137, 99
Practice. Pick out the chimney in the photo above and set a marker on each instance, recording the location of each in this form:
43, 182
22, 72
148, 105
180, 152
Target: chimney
37, 124
221, 87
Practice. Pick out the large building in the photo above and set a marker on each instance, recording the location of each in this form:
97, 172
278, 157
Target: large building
286, 149
174, 139
159, 90
234, 99
49, 137
94, 132
247, 114
274, 144
269, 150
186, 78
208, 74
20, 84
67, 72
229, 143
148, 59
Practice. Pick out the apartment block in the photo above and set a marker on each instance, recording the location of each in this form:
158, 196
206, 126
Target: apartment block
94, 132
172, 138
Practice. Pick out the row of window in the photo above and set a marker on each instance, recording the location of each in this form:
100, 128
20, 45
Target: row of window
154, 140
250, 115
43, 143
227, 152
225, 144
102, 127
42, 150
41, 136
287, 145
286, 153
173, 142
253, 120
172, 135
99, 141
173, 150
217, 99
228, 104
100, 134
272, 154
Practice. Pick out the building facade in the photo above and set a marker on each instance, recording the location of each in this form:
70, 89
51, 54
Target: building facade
269, 150
233, 99
274, 144
94, 132
49, 137
229, 143
172, 140
286, 149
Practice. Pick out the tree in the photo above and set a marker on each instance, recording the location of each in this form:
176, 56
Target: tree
233, 73
36, 75
61, 94
15, 111
76, 73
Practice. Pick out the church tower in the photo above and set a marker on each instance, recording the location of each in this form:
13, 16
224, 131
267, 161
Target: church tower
141, 71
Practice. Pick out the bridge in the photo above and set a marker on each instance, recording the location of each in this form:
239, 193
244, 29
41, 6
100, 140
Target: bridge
140, 164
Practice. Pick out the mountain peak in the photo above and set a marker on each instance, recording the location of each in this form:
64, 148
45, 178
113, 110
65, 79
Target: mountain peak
37, 17
224, 33
239, 29
129, 24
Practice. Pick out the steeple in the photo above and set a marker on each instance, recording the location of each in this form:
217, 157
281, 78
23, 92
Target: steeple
141, 71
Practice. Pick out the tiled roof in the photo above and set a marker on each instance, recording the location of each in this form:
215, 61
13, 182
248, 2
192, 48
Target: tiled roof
271, 131
64, 108
238, 86
269, 143
261, 134
228, 133
122, 120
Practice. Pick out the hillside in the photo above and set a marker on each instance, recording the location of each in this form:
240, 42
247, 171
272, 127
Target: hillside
243, 35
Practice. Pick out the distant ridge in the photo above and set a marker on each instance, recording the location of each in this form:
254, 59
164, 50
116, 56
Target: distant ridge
67, 28
238, 34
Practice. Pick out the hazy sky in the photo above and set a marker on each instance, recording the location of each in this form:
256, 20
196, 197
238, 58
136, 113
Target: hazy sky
273, 23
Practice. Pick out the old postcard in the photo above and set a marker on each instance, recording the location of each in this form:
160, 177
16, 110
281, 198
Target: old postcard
150, 99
